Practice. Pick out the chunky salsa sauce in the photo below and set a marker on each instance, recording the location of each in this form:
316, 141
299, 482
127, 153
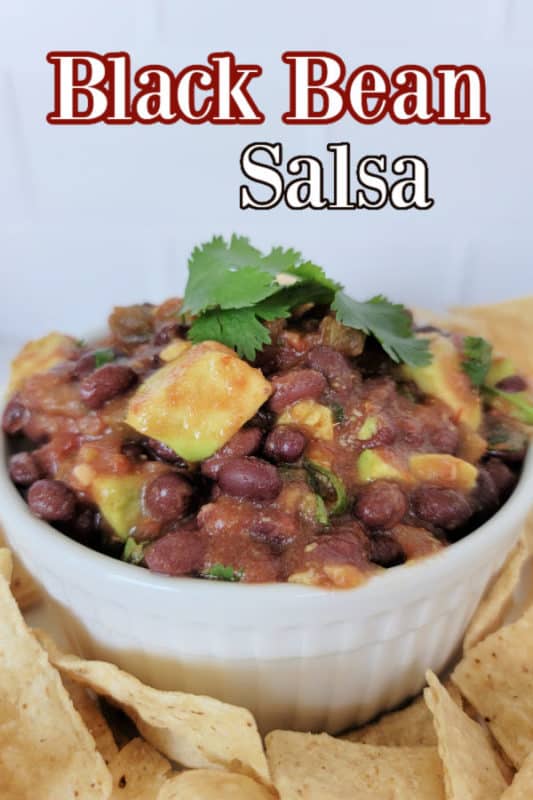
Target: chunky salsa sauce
322, 462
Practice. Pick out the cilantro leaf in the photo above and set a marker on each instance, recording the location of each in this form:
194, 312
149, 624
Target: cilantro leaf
219, 572
311, 273
280, 260
388, 322
102, 357
477, 359
228, 276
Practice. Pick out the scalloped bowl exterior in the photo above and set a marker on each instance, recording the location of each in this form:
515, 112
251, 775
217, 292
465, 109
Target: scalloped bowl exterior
298, 657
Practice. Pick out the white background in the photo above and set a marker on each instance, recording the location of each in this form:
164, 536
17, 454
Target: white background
92, 216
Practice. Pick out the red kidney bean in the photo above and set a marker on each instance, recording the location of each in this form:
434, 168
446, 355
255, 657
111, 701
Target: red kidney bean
503, 478
385, 550
249, 477
299, 384
444, 508
105, 383
15, 417
176, 553
381, 505
285, 444
444, 438
347, 545
243, 443
167, 497
512, 384
24, 469
332, 364
51, 500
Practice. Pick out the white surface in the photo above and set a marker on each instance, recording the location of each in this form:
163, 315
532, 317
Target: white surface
91, 216
296, 656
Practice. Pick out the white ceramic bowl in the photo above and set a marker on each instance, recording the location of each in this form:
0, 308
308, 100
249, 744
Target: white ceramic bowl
299, 657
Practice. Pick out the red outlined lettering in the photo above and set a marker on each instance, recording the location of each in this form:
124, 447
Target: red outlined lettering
305, 87
467, 82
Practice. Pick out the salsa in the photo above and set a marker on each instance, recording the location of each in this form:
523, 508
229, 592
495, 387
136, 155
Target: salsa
320, 460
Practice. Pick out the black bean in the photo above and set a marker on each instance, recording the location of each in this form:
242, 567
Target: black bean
512, 384
249, 477
385, 550
15, 417
85, 526
485, 495
176, 553
444, 508
134, 451
165, 334
163, 452
299, 384
24, 469
504, 479
167, 497
52, 500
381, 505
105, 383
243, 443
285, 444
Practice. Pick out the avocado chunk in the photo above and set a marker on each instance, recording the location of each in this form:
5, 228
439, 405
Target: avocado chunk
197, 402
516, 404
40, 356
119, 498
380, 463
315, 418
500, 368
444, 379
443, 469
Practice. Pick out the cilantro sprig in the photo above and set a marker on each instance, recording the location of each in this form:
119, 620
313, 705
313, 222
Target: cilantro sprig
233, 290
477, 358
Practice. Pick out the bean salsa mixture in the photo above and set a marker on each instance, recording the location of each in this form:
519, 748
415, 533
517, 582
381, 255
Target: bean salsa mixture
266, 428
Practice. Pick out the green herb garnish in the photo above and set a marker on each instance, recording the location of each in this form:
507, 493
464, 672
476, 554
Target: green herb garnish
389, 323
102, 357
133, 551
477, 359
218, 572
338, 412
324, 481
520, 403
81, 343
233, 289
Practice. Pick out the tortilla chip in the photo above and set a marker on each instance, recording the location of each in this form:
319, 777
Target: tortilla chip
498, 599
522, 786
471, 771
45, 749
496, 676
6, 564
193, 730
209, 784
412, 726
88, 708
138, 772
23, 587
508, 326
318, 766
